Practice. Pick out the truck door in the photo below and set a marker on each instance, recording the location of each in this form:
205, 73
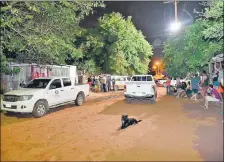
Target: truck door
55, 93
68, 93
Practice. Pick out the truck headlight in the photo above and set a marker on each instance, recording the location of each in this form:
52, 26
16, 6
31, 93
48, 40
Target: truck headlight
25, 97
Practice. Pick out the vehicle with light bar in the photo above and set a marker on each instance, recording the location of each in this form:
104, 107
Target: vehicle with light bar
141, 87
41, 94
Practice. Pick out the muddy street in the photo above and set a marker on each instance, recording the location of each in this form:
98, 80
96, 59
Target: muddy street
171, 130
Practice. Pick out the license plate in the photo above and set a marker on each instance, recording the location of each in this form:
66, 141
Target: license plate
8, 105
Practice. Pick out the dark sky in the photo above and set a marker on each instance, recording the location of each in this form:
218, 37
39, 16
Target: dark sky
151, 17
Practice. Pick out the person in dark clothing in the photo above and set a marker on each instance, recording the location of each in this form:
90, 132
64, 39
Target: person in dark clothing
188, 90
113, 83
109, 83
182, 89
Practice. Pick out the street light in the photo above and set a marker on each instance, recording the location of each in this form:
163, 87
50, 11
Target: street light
175, 26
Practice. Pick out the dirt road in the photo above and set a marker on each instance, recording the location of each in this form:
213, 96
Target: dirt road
171, 130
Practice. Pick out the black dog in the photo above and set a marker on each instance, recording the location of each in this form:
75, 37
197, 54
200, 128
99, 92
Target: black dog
126, 122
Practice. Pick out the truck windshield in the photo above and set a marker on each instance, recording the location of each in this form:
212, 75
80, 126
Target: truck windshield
142, 78
38, 83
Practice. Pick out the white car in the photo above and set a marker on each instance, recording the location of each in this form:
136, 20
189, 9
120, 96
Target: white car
141, 87
161, 82
120, 81
41, 94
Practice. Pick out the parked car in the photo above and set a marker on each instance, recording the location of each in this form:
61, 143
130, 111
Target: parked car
120, 81
41, 94
141, 87
161, 82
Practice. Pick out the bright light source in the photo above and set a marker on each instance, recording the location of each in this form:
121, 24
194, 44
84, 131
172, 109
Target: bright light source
175, 26
157, 63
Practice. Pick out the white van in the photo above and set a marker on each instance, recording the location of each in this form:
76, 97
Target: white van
120, 81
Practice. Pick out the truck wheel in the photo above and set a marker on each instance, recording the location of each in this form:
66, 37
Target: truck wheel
153, 101
40, 109
9, 113
128, 100
80, 99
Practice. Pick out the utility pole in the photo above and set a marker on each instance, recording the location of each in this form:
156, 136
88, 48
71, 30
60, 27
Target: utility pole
175, 7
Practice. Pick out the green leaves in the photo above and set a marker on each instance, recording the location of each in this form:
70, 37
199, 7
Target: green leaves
118, 47
43, 31
202, 40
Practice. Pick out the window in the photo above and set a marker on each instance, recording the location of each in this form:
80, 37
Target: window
149, 78
38, 83
66, 82
128, 78
142, 78
56, 84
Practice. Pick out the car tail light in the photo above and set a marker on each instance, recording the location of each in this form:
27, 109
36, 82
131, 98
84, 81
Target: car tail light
125, 88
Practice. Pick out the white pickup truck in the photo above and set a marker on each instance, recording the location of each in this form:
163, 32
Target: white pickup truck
141, 87
41, 94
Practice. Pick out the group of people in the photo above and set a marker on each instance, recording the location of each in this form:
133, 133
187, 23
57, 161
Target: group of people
101, 83
198, 85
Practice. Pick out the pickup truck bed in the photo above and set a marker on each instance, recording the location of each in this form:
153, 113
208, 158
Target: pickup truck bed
141, 89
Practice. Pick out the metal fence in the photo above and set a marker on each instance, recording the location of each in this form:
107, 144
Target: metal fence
59, 71
12, 82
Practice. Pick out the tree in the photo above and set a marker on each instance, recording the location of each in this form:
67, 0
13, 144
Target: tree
42, 32
117, 46
190, 52
213, 19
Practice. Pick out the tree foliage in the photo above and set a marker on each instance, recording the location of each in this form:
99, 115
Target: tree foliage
190, 52
213, 19
42, 32
117, 47
49, 33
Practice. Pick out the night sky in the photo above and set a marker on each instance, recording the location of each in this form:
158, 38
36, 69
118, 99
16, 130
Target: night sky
151, 17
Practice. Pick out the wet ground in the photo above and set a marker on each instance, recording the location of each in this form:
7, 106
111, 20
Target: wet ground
171, 130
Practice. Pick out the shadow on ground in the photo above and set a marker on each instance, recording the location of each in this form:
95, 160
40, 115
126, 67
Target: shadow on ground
135, 108
210, 136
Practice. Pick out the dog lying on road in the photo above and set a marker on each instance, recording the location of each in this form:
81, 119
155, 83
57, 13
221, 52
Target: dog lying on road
126, 122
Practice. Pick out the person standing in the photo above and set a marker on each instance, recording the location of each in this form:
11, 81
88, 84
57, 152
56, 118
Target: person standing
216, 79
89, 82
204, 83
104, 83
109, 83
113, 83
194, 85
101, 84
168, 83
